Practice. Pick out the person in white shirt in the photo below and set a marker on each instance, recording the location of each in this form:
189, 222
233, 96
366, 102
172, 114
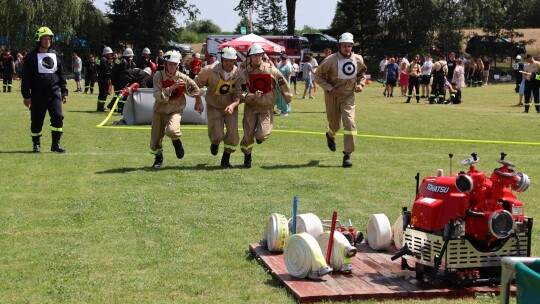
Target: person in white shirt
77, 69
294, 73
426, 76
382, 65
314, 66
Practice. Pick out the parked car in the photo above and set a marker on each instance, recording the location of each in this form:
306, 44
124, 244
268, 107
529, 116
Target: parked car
184, 49
319, 42
493, 45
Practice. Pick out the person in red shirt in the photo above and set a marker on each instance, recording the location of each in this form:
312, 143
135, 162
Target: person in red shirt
195, 66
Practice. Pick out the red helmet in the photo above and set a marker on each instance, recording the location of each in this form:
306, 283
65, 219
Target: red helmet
153, 67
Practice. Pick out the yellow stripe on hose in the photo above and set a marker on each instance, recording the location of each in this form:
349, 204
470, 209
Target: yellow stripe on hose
275, 232
303, 257
342, 251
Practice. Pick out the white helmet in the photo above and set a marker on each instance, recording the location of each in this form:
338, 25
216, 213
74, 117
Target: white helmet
229, 53
148, 71
106, 50
128, 52
146, 51
518, 57
346, 38
255, 48
173, 56
197, 55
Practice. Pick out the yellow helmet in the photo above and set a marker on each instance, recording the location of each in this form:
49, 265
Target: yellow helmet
43, 31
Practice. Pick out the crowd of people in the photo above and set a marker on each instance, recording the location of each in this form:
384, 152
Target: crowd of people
257, 83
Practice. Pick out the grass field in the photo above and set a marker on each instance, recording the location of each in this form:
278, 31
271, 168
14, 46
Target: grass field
97, 225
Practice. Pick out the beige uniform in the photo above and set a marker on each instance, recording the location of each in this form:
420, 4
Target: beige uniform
220, 94
341, 108
258, 113
168, 107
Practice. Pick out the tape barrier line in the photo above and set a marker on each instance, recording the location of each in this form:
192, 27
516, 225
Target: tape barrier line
480, 141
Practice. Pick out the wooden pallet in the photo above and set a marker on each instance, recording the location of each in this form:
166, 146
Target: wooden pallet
375, 276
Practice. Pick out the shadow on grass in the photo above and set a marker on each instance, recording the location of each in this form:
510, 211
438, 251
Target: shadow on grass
18, 152
250, 257
312, 163
176, 168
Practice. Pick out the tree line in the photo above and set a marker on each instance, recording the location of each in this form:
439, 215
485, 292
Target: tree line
380, 26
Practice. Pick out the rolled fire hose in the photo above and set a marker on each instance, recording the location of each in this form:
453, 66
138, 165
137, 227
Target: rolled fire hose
309, 223
303, 257
397, 232
275, 233
379, 232
342, 251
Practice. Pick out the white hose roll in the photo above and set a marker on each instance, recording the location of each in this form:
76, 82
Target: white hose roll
379, 232
275, 232
303, 257
342, 250
309, 223
397, 232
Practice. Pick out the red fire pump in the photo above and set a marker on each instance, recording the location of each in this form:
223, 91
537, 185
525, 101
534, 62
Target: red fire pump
465, 223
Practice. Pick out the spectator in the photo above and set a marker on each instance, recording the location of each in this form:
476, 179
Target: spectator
531, 83
405, 59
327, 52
382, 66
451, 67
160, 61
403, 79
478, 72
195, 65
439, 72
294, 74
285, 68
414, 71
459, 74
8, 64
391, 75
485, 71
306, 72
518, 67
426, 76
471, 71
455, 94
212, 58
77, 69
314, 66
90, 74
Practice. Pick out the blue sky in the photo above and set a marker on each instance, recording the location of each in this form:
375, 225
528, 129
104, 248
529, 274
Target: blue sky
315, 13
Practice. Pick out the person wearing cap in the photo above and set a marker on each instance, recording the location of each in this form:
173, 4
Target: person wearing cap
104, 68
119, 67
195, 65
221, 104
258, 87
341, 75
212, 58
77, 69
532, 83
518, 67
170, 88
44, 89
144, 61
90, 74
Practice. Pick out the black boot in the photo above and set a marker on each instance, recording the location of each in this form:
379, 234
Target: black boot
36, 144
214, 149
158, 162
247, 160
9, 89
55, 146
347, 161
120, 108
331, 142
177, 143
537, 109
225, 160
101, 107
408, 100
526, 109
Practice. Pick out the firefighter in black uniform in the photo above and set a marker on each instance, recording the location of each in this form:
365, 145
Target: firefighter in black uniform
9, 69
518, 68
128, 77
90, 74
144, 61
119, 67
439, 72
44, 89
104, 68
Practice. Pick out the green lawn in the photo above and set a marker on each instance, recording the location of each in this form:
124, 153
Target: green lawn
98, 225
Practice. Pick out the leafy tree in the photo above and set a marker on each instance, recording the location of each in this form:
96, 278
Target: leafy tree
244, 22
290, 5
276, 15
270, 18
146, 23
203, 26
